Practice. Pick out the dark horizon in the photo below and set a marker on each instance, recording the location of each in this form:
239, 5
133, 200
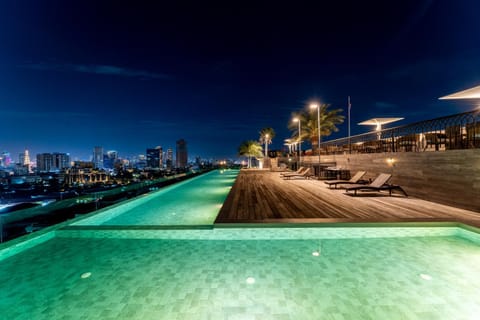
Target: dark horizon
80, 74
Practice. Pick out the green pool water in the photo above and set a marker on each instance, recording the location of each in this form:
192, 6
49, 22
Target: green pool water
126, 263
246, 273
195, 201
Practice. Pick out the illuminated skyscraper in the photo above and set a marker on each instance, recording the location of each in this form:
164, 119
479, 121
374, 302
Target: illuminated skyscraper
98, 157
24, 159
182, 156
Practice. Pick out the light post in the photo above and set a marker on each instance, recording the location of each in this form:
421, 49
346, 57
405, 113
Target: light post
266, 151
317, 106
299, 140
266, 145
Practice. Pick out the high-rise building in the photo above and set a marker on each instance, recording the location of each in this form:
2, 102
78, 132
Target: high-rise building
24, 159
50, 162
5, 159
98, 157
44, 162
182, 155
140, 162
155, 157
61, 160
109, 159
169, 161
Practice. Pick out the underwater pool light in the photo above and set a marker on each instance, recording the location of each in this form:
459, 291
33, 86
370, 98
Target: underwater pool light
425, 276
250, 280
86, 275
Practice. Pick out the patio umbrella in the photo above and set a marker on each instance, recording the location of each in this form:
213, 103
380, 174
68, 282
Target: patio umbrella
472, 93
378, 122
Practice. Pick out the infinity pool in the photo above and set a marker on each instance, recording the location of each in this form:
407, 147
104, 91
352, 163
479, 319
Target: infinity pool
104, 266
246, 273
196, 201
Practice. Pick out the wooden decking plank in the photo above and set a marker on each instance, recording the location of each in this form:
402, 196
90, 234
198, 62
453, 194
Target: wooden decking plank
259, 196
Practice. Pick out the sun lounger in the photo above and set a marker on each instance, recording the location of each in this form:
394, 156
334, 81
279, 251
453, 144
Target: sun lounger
306, 174
354, 180
302, 170
299, 170
379, 184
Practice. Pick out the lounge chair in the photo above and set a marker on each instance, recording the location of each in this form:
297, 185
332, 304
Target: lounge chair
354, 180
306, 174
379, 184
299, 170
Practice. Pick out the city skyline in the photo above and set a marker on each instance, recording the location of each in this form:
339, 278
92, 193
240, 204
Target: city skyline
130, 77
155, 157
17, 157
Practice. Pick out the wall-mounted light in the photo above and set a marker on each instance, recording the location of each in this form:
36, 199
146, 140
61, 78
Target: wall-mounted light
391, 161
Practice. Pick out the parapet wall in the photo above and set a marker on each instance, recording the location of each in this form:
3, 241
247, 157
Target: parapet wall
449, 177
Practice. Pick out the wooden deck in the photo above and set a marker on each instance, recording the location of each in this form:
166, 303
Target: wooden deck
264, 197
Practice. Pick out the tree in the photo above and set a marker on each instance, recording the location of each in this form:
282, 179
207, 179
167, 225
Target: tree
266, 136
249, 149
329, 119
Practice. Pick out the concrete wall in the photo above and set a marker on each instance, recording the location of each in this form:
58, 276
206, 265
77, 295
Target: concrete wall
450, 177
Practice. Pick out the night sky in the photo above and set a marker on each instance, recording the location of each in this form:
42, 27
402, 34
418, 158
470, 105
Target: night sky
76, 74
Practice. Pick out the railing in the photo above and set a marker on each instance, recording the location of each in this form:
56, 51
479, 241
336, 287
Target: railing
459, 131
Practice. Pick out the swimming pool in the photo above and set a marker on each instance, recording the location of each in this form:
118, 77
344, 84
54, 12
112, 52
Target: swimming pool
196, 201
246, 273
125, 263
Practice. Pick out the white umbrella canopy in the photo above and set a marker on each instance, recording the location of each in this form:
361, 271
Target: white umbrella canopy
378, 122
472, 93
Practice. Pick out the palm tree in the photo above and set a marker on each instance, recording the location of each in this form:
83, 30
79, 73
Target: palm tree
249, 149
329, 119
266, 136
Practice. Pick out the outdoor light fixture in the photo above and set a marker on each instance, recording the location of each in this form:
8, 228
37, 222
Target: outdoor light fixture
425, 276
266, 145
299, 140
317, 106
472, 93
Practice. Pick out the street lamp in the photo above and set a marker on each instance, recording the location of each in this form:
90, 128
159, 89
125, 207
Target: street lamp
317, 106
299, 140
266, 145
